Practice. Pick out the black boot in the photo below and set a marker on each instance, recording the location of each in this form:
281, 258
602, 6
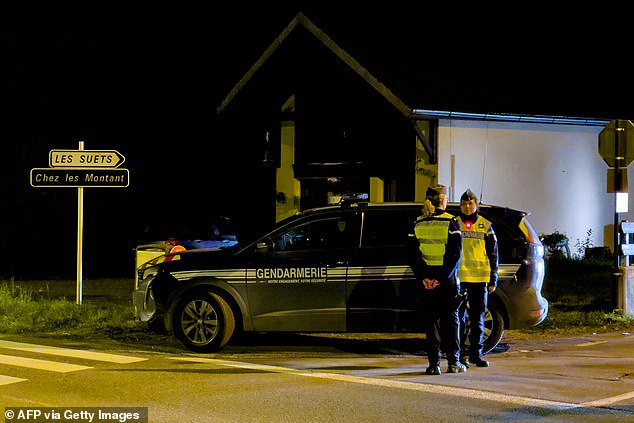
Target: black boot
433, 370
478, 361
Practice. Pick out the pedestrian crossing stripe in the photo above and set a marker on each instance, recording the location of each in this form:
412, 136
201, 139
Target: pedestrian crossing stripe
6, 380
34, 363
68, 352
53, 366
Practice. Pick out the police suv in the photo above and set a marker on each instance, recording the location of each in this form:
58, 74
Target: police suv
340, 268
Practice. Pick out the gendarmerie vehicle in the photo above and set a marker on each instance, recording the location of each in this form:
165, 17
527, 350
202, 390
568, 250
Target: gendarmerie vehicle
340, 268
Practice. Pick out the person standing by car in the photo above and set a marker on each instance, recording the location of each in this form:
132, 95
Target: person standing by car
435, 264
478, 274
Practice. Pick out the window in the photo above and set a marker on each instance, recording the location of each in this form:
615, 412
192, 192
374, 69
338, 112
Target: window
383, 228
335, 232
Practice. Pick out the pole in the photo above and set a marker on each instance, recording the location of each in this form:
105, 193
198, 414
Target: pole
617, 246
80, 236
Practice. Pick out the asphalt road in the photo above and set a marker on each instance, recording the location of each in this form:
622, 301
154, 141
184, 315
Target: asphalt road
323, 378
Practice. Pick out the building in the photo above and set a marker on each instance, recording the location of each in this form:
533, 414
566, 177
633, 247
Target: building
320, 124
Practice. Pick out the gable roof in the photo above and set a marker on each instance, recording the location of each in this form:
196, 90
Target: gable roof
301, 19
547, 66
347, 59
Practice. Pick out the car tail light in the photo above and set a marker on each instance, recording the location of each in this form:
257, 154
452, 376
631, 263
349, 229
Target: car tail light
529, 232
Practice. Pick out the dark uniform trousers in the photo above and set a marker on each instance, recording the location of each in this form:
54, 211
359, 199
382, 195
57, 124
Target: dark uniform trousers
477, 295
442, 323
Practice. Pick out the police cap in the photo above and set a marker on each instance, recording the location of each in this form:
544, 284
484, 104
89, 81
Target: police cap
468, 195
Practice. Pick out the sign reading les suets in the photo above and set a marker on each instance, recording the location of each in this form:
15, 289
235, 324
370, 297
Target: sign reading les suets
85, 158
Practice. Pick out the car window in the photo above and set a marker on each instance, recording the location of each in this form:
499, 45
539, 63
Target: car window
335, 232
505, 228
383, 228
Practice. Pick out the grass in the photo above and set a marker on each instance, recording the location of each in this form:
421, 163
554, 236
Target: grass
50, 307
574, 284
579, 293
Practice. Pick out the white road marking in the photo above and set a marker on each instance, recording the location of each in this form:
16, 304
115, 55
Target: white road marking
52, 365
423, 387
605, 401
591, 344
34, 363
67, 352
609, 401
6, 380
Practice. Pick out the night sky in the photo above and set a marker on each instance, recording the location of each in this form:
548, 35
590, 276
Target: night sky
146, 81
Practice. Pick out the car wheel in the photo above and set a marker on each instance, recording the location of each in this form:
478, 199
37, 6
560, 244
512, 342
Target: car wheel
493, 328
203, 321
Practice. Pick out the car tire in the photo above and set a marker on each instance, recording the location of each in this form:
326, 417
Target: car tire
203, 321
493, 328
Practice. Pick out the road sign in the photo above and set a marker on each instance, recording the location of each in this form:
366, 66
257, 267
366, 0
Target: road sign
85, 158
80, 177
617, 180
616, 143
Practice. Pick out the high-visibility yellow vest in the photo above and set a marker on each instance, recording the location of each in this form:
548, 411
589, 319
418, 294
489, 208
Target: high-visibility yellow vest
432, 236
475, 265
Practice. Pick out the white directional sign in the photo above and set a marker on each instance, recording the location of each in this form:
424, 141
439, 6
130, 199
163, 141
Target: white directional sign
85, 158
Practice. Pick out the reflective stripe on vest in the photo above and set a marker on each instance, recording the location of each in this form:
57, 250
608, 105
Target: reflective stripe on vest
474, 266
432, 236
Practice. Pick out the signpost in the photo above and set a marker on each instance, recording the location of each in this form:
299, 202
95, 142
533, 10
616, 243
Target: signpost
79, 169
616, 147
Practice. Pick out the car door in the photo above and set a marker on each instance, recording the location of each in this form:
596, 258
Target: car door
381, 291
297, 279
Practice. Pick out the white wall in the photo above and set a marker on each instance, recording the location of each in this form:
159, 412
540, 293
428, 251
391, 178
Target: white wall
552, 171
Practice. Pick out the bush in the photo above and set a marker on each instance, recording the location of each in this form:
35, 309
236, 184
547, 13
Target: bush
556, 244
